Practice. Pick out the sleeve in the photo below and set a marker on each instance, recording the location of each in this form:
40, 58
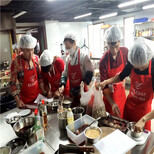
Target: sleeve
13, 78
126, 71
60, 65
103, 71
87, 64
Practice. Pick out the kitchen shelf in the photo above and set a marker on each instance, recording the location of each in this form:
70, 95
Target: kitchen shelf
145, 36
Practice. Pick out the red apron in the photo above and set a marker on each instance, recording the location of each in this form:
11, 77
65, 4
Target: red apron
140, 97
118, 95
55, 80
75, 78
30, 88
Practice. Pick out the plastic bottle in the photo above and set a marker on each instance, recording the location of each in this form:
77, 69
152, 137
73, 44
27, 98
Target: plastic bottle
37, 127
44, 114
70, 116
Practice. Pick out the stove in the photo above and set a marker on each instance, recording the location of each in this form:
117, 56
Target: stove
142, 139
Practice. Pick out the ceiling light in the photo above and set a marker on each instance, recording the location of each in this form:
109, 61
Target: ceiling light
108, 15
148, 6
131, 3
19, 14
84, 15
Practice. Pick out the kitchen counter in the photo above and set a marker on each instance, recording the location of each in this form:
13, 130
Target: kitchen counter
54, 137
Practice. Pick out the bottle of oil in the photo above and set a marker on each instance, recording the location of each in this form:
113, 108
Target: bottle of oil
70, 118
39, 132
44, 114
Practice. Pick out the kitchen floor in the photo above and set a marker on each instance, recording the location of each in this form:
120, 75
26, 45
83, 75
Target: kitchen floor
152, 121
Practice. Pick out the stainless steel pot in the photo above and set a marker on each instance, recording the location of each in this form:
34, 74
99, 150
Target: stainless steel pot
24, 127
17, 145
67, 102
78, 112
12, 120
62, 120
131, 127
90, 140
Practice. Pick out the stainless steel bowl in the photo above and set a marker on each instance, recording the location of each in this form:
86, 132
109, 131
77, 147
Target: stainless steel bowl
17, 145
90, 140
131, 127
67, 102
12, 120
5, 150
24, 127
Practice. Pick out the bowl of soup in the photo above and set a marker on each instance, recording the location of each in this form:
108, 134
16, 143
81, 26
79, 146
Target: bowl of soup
92, 134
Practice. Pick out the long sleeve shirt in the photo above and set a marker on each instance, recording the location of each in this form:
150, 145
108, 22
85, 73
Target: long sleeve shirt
17, 72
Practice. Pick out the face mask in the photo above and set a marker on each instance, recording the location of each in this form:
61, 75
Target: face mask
71, 51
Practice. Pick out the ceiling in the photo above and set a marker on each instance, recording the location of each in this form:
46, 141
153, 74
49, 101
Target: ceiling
65, 10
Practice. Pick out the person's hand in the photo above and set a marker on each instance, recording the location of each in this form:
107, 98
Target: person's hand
103, 84
44, 92
97, 85
49, 94
20, 104
116, 110
140, 125
57, 94
61, 89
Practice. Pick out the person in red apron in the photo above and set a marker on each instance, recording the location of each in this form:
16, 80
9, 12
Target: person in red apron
52, 68
25, 68
111, 64
78, 68
141, 71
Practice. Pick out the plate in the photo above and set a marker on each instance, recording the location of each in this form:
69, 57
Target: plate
25, 112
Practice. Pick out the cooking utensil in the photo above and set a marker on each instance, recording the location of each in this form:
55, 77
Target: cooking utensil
94, 121
12, 120
17, 145
77, 112
67, 102
24, 127
5, 150
62, 120
90, 140
74, 148
131, 127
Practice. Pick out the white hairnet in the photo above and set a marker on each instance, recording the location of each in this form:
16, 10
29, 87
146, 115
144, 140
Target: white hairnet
113, 34
15, 46
71, 36
141, 52
46, 58
27, 41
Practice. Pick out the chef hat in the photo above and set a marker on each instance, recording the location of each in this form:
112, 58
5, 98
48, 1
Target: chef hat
46, 58
15, 46
27, 41
71, 36
141, 52
113, 34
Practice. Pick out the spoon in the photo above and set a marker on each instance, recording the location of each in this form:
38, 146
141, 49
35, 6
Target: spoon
94, 121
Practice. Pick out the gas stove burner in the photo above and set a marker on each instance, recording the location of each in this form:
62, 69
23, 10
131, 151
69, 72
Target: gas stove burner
142, 139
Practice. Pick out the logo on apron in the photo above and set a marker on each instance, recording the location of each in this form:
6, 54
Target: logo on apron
138, 85
73, 75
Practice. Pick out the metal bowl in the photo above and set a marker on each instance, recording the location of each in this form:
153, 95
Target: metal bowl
77, 112
12, 120
17, 145
131, 127
24, 127
92, 140
5, 150
67, 102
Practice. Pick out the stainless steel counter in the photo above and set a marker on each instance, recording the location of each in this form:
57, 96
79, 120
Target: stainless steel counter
55, 137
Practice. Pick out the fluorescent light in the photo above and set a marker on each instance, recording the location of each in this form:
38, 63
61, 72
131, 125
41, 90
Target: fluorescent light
19, 14
84, 15
108, 15
131, 3
148, 6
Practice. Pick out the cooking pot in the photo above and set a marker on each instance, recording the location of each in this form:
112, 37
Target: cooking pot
17, 145
12, 120
24, 127
67, 102
131, 128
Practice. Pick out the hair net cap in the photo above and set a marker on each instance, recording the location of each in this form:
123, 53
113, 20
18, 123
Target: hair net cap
27, 41
15, 46
46, 58
113, 34
71, 36
141, 52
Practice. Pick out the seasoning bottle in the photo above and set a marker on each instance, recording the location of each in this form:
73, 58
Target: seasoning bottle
39, 132
70, 116
44, 114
